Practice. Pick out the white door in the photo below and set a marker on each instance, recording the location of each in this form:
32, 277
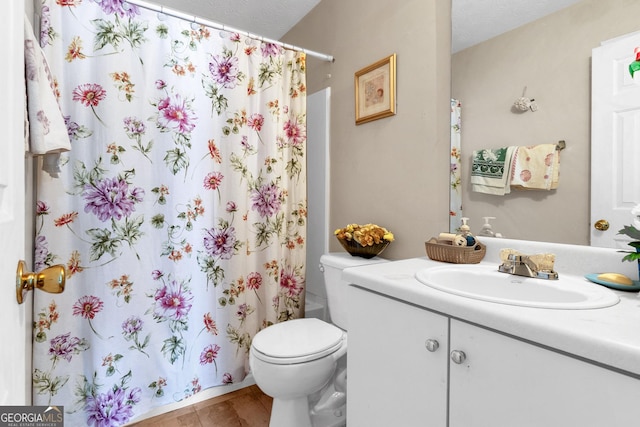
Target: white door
615, 139
15, 339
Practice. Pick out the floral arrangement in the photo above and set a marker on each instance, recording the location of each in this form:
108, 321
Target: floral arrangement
633, 232
365, 235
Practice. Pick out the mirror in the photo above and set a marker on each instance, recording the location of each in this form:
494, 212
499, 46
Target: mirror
550, 59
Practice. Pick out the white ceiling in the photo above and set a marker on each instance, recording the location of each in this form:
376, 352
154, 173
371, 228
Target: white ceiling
473, 21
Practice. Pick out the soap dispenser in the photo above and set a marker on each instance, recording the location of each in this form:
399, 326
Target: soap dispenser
465, 238
487, 230
486, 227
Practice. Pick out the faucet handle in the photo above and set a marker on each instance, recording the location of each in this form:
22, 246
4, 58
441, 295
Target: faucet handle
506, 253
548, 275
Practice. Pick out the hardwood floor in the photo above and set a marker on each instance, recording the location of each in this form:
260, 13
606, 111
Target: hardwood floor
247, 407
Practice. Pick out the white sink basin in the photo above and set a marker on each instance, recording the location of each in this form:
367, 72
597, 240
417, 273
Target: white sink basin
485, 282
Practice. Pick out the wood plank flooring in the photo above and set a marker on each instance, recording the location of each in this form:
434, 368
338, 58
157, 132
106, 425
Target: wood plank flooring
247, 407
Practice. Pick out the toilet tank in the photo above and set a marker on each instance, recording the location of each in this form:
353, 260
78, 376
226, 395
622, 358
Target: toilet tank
332, 265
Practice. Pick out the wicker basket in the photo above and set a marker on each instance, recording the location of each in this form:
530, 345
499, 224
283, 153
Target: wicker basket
455, 254
356, 249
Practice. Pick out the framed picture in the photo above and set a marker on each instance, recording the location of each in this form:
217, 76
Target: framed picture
375, 90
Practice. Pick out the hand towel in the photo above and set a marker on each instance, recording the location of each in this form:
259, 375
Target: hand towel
490, 170
536, 167
47, 131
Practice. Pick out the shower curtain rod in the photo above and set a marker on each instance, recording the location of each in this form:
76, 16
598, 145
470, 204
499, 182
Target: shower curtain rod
218, 26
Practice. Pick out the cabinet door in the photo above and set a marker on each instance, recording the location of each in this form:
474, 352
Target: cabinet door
505, 382
393, 379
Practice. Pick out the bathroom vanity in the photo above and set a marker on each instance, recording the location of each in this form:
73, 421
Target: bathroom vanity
419, 356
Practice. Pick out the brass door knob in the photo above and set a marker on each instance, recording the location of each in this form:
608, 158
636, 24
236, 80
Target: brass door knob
51, 279
601, 225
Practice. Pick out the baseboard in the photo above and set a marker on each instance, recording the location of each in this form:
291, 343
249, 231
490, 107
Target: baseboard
207, 394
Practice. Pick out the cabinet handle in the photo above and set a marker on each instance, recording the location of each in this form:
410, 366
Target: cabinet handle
432, 345
458, 356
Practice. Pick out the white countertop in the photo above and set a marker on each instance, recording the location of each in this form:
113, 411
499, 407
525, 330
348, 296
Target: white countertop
608, 336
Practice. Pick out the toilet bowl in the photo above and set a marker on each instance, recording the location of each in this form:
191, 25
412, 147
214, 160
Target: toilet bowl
301, 363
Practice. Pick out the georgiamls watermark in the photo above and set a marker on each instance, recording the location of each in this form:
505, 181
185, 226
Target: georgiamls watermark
31, 416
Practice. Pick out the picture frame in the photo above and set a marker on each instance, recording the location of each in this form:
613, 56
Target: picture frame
375, 90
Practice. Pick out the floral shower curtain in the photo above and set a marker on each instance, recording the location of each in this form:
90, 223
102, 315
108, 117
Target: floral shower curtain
180, 212
455, 190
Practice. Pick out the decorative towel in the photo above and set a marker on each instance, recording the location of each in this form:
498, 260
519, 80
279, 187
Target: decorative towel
45, 128
536, 168
490, 170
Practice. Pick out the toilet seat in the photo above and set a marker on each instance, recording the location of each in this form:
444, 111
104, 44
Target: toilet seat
297, 341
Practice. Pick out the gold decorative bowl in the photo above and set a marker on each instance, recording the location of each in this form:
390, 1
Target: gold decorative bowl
356, 249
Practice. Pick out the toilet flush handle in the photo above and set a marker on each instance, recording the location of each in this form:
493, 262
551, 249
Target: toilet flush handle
321, 267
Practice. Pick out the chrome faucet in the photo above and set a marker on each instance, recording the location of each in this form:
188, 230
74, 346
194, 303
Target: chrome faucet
523, 265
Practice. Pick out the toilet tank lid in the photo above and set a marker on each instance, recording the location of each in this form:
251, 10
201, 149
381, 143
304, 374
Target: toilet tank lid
346, 260
297, 338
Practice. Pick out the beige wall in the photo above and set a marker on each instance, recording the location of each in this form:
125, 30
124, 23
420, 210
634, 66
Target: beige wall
551, 57
394, 171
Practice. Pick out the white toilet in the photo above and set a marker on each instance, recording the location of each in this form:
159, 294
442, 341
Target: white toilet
295, 361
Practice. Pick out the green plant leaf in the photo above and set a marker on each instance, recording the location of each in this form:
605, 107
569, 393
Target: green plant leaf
630, 231
631, 256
